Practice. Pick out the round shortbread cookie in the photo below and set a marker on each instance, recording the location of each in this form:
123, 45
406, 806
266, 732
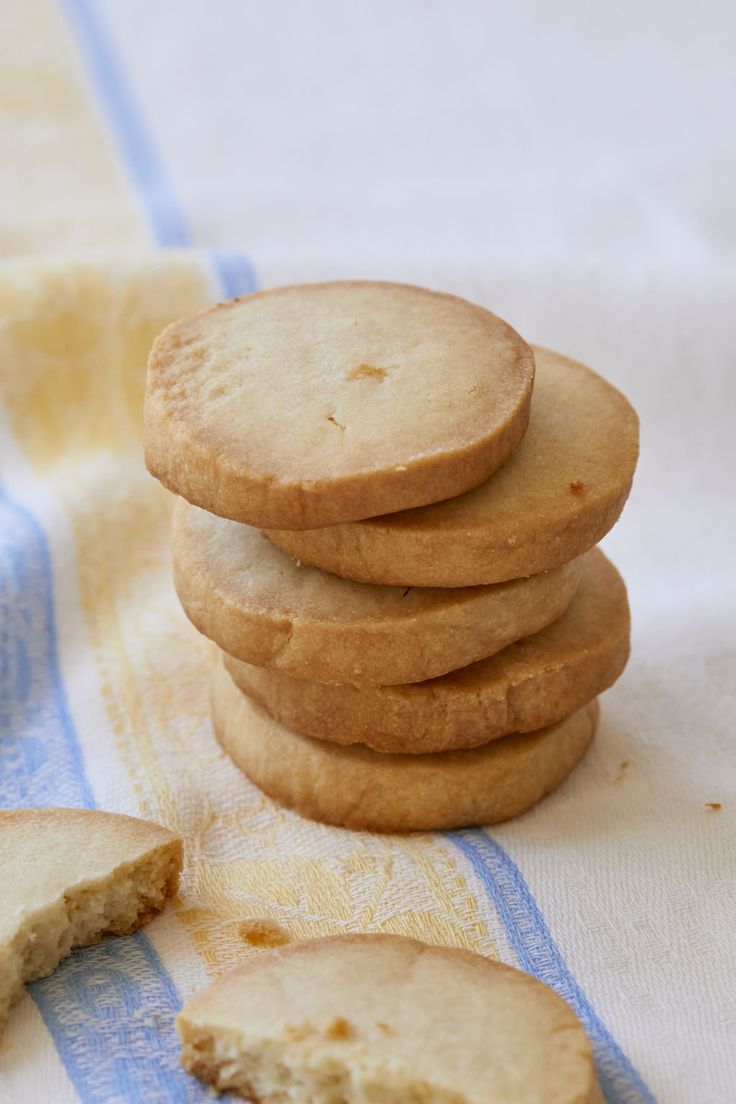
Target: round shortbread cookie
382, 1018
355, 787
555, 497
258, 605
530, 684
322, 403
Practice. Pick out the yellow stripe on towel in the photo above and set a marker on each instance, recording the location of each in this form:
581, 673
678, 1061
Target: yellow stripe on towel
62, 186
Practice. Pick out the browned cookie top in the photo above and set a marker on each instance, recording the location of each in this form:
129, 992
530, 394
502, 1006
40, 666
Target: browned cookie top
310, 405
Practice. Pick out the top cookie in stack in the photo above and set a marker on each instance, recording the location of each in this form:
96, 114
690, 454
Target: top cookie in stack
308, 406
378, 432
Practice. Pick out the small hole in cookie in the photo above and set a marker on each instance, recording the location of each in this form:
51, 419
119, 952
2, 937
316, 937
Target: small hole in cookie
577, 487
339, 1029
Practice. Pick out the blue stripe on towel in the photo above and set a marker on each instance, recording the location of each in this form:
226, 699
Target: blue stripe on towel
538, 954
40, 759
110, 1009
234, 272
146, 170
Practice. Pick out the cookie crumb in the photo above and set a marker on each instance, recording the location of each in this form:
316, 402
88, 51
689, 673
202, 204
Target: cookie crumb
577, 487
366, 371
339, 1029
622, 769
714, 806
262, 933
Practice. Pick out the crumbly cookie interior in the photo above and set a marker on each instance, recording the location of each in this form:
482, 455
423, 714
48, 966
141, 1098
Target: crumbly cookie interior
115, 905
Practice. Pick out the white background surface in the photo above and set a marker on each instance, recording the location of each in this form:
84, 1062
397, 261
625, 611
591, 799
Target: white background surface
458, 134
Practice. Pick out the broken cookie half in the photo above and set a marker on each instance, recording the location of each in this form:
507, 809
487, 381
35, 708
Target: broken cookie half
388, 1020
70, 876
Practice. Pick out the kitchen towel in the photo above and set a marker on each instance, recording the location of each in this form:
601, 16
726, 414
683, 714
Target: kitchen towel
619, 889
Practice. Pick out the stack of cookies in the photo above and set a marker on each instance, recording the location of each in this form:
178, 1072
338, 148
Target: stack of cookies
389, 507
